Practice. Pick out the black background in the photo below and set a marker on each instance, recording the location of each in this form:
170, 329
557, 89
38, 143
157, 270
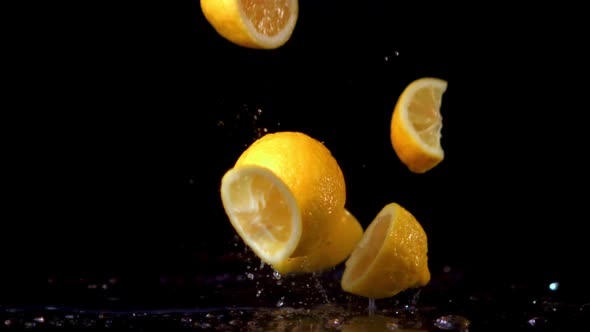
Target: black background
122, 118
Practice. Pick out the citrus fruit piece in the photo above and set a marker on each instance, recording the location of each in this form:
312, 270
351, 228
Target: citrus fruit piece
260, 24
416, 124
342, 237
390, 257
262, 210
309, 174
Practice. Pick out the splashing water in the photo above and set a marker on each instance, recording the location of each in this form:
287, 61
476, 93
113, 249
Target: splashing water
452, 322
320, 288
372, 307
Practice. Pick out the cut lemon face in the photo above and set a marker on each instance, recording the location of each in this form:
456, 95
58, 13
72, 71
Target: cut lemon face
263, 211
416, 124
261, 24
341, 240
283, 195
312, 175
391, 256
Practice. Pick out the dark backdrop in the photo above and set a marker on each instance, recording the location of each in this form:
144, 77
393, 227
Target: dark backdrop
123, 118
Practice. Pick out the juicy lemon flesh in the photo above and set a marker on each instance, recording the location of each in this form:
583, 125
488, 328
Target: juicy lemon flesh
262, 220
416, 124
261, 212
369, 247
424, 114
268, 17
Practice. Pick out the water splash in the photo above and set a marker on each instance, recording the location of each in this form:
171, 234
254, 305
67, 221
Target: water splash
372, 307
320, 288
452, 322
537, 321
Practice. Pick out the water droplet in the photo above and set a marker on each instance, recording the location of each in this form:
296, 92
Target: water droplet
281, 302
452, 322
446, 269
220, 123
392, 325
537, 321
372, 307
259, 111
386, 58
334, 323
209, 315
279, 282
551, 306
259, 292
262, 264
276, 275
250, 276
205, 326
396, 53
186, 320
29, 325
39, 319
235, 322
554, 286
8, 322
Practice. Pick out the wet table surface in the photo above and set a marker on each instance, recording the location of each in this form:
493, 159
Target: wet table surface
253, 297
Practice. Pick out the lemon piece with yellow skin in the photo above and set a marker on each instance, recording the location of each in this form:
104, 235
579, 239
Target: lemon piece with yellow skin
259, 24
416, 124
341, 240
392, 256
294, 176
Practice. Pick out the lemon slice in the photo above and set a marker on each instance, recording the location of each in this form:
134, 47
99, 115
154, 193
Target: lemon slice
263, 211
391, 256
261, 24
341, 240
416, 124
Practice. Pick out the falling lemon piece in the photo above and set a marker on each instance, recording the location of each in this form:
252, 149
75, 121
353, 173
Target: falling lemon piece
283, 195
416, 124
390, 257
260, 24
339, 243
